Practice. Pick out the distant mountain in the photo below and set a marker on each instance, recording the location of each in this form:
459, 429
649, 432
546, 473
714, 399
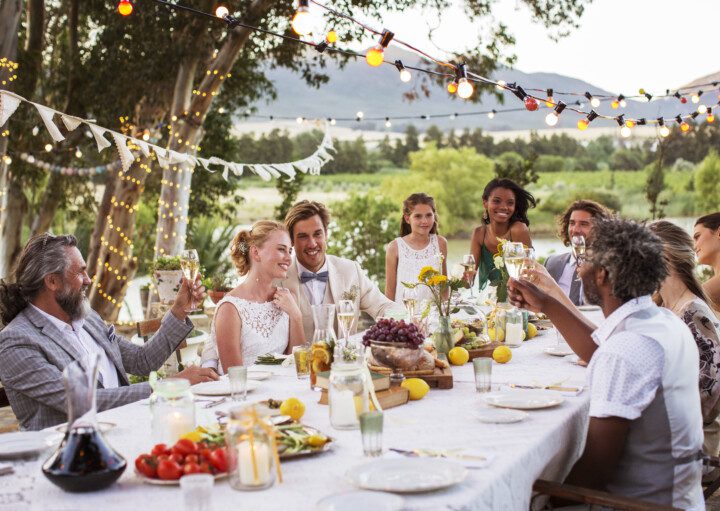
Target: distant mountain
378, 92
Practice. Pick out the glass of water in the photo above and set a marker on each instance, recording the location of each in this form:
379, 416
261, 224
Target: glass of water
238, 382
483, 374
371, 429
197, 491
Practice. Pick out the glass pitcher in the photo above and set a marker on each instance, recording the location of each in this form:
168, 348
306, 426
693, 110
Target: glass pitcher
324, 341
84, 461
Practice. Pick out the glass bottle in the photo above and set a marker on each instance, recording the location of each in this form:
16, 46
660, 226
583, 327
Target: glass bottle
251, 461
323, 342
84, 461
172, 410
347, 395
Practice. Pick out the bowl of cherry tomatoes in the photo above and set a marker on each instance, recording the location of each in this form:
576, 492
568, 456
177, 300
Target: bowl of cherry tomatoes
166, 465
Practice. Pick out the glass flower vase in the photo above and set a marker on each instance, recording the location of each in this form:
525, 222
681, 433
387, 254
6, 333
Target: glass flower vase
443, 336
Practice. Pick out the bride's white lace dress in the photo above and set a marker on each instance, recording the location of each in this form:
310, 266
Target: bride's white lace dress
265, 329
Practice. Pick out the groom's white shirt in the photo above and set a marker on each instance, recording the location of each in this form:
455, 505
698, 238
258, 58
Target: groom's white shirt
315, 288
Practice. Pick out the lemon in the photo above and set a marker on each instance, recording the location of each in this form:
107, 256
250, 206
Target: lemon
293, 407
194, 436
316, 440
502, 354
458, 356
501, 334
532, 331
417, 388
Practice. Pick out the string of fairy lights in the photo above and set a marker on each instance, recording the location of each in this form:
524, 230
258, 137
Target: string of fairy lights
462, 80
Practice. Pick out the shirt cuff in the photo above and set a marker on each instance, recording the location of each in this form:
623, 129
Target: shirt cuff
601, 409
176, 323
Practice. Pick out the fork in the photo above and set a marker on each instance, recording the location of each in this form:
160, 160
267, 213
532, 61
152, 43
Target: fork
215, 403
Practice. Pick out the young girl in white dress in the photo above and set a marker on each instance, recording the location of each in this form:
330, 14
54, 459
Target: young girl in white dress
256, 317
418, 245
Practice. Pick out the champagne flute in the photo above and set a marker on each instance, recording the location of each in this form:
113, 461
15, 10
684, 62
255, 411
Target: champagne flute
513, 255
346, 318
468, 263
577, 245
528, 262
190, 264
410, 300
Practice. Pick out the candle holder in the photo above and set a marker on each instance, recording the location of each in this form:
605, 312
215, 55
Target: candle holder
172, 410
347, 395
252, 452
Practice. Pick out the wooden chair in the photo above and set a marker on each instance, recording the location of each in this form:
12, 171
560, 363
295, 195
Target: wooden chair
711, 486
3, 398
594, 497
148, 327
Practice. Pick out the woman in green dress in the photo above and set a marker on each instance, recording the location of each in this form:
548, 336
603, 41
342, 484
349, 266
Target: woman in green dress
505, 217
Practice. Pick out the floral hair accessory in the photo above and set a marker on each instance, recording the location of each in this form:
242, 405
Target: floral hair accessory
243, 247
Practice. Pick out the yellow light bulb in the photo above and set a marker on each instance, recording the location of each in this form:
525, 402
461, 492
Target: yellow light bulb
125, 8
48, 147
630, 124
549, 102
375, 56
331, 37
684, 127
465, 88
583, 124
615, 104
302, 22
452, 87
710, 118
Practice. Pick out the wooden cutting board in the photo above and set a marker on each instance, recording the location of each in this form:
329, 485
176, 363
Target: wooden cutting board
390, 398
440, 379
485, 351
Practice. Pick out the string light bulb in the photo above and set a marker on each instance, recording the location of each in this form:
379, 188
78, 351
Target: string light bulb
624, 128
405, 75
465, 89
702, 109
595, 102
501, 84
710, 116
48, 147
684, 126
695, 98
491, 114
531, 103
549, 102
388, 124
630, 123
553, 117
664, 130
375, 56
615, 104
452, 87
331, 37
583, 124
78, 153
302, 23
125, 8
359, 115
221, 11
621, 101
299, 120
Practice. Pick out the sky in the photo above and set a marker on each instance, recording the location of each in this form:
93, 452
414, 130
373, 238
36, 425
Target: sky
621, 45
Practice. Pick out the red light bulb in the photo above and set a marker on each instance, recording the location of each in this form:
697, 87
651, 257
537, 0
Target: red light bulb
683, 100
125, 8
531, 103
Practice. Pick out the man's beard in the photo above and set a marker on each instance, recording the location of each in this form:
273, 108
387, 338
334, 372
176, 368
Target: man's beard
591, 294
74, 303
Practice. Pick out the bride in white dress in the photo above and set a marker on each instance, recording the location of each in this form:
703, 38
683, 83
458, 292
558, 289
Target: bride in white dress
256, 317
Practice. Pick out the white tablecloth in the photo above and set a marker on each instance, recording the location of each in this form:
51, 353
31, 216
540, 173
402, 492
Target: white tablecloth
545, 445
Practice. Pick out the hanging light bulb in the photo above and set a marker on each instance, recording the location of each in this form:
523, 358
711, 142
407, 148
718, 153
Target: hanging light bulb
48, 147
405, 75
302, 22
501, 85
624, 129
595, 102
530, 103
78, 153
221, 11
621, 100
331, 37
376, 55
630, 123
299, 120
221, 110
465, 89
584, 123
702, 109
125, 8
549, 102
7, 160
615, 104
625, 132
146, 135
553, 117
683, 100
664, 130
684, 126
388, 124
695, 98
359, 115
710, 116
641, 91
452, 87
333, 122
36, 130
491, 114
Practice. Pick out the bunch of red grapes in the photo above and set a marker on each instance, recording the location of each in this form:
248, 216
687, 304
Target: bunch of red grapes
390, 330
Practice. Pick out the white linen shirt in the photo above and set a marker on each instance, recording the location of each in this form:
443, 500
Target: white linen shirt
76, 335
314, 289
626, 370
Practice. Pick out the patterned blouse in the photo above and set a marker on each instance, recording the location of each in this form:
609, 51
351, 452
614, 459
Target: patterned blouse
705, 328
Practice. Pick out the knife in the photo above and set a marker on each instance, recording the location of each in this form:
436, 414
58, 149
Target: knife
416, 453
545, 387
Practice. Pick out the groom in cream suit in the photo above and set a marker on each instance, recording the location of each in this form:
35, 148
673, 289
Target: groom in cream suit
316, 278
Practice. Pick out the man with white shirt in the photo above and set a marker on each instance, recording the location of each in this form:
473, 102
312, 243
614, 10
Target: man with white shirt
645, 435
577, 220
318, 278
49, 324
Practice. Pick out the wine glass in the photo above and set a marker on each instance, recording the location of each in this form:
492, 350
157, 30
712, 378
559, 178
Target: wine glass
528, 262
468, 263
346, 317
410, 296
513, 255
577, 245
190, 264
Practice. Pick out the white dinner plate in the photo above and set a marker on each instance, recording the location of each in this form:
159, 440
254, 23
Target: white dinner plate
587, 308
219, 388
500, 415
259, 375
523, 399
23, 443
559, 351
407, 475
361, 501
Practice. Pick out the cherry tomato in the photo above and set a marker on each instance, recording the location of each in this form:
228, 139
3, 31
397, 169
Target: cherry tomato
161, 457
192, 458
185, 446
205, 468
160, 449
218, 459
177, 458
169, 470
146, 465
205, 453
191, 468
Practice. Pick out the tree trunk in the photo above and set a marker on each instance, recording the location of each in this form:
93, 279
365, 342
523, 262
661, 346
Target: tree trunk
54, 191
11, 232
175, 194
100, 223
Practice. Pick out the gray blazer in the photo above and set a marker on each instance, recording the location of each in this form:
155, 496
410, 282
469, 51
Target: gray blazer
555, 265
34, 352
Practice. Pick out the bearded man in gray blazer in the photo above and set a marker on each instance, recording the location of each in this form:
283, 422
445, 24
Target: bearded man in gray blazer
49, 325
577, 220
316, 278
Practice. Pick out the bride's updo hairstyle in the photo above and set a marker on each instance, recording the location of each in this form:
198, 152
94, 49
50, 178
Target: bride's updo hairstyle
254, 237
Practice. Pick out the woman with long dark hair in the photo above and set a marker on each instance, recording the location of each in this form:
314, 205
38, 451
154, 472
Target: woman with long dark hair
682, 293
417, 246
707, 247
506, 205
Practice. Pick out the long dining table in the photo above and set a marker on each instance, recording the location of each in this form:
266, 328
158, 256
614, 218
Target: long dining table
544, 445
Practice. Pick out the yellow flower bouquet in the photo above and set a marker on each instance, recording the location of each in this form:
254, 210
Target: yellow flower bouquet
440, 286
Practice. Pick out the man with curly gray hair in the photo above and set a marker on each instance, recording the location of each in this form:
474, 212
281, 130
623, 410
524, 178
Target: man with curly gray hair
645, 434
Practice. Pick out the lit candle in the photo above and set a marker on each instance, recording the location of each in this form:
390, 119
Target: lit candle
513, 334
262, 462
342, 409
178, 424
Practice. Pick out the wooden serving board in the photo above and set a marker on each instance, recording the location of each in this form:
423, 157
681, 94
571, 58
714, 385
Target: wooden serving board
440, 379
390, 398
486, 351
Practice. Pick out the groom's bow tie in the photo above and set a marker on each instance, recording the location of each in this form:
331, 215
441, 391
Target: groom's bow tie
307, 276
